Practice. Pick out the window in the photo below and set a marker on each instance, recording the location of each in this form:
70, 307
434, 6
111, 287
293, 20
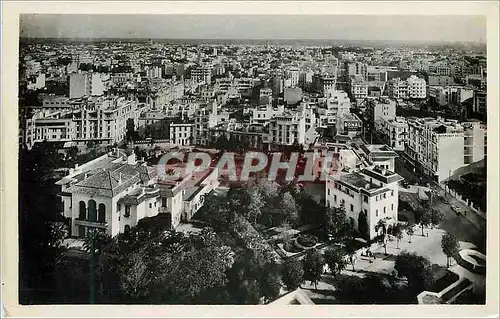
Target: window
352, 208
365, 198
392, 192
335, 198
92, 210
82, 210
384, 209
127, 211
376, 213
119, 207
392, 206
163, 202
328, 192
150, 205
102, 213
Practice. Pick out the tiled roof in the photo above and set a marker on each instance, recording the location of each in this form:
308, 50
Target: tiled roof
107, 182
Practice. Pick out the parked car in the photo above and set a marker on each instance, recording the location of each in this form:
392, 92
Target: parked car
444, 200
456, 209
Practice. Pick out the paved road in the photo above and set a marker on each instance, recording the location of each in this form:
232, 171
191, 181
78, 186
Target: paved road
469, 228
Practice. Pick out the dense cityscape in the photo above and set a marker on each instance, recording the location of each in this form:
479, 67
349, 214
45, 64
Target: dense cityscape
399, 216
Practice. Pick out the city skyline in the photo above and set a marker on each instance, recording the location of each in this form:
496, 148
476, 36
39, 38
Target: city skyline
256, 27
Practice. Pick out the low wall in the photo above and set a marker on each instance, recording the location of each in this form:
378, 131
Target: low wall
465, 201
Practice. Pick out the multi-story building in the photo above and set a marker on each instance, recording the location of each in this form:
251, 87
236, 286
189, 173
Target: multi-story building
262, 114
474, 141
181, 134
397, 88
349, 124
381, 109
85, 84
395, 131
358, 68
416, 87
435, 146
371, 191
440, 80
450, 95
114, 192
101, 120
293, 127
293, 75
479, 102
201, 74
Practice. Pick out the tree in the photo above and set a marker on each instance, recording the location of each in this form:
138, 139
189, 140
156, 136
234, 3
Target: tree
397, 231
255, 204
58, 233
409, 232
152, 265
416, 269
313, 266
425, 220
335, 224
334, 258
96, 239
289, 208
450, 246
292, 274
437, 217
270, 283
363, 225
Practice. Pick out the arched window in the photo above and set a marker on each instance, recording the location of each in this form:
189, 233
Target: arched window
102, 213
82, 210
92, 211
127, 229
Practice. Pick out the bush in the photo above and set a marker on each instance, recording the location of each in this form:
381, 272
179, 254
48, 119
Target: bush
307, 240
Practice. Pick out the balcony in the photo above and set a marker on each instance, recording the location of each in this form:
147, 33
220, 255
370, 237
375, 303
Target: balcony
84, 222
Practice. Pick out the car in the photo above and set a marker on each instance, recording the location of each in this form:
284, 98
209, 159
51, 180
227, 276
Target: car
456, 209
444, 200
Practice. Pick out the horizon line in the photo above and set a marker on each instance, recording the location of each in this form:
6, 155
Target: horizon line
252, 39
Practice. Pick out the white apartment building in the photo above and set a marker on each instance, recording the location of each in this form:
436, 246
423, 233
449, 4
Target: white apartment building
450, 95
381, 109
474, 141
371, 191
290, 127
436, 146
154, 72
293, 75
201, 74
101, 120
181, 134
358, 68
397, 88
395, 130
263, 114
416, 87
85, 84
359, 89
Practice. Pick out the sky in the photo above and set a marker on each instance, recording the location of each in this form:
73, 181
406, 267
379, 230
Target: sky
335, 27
